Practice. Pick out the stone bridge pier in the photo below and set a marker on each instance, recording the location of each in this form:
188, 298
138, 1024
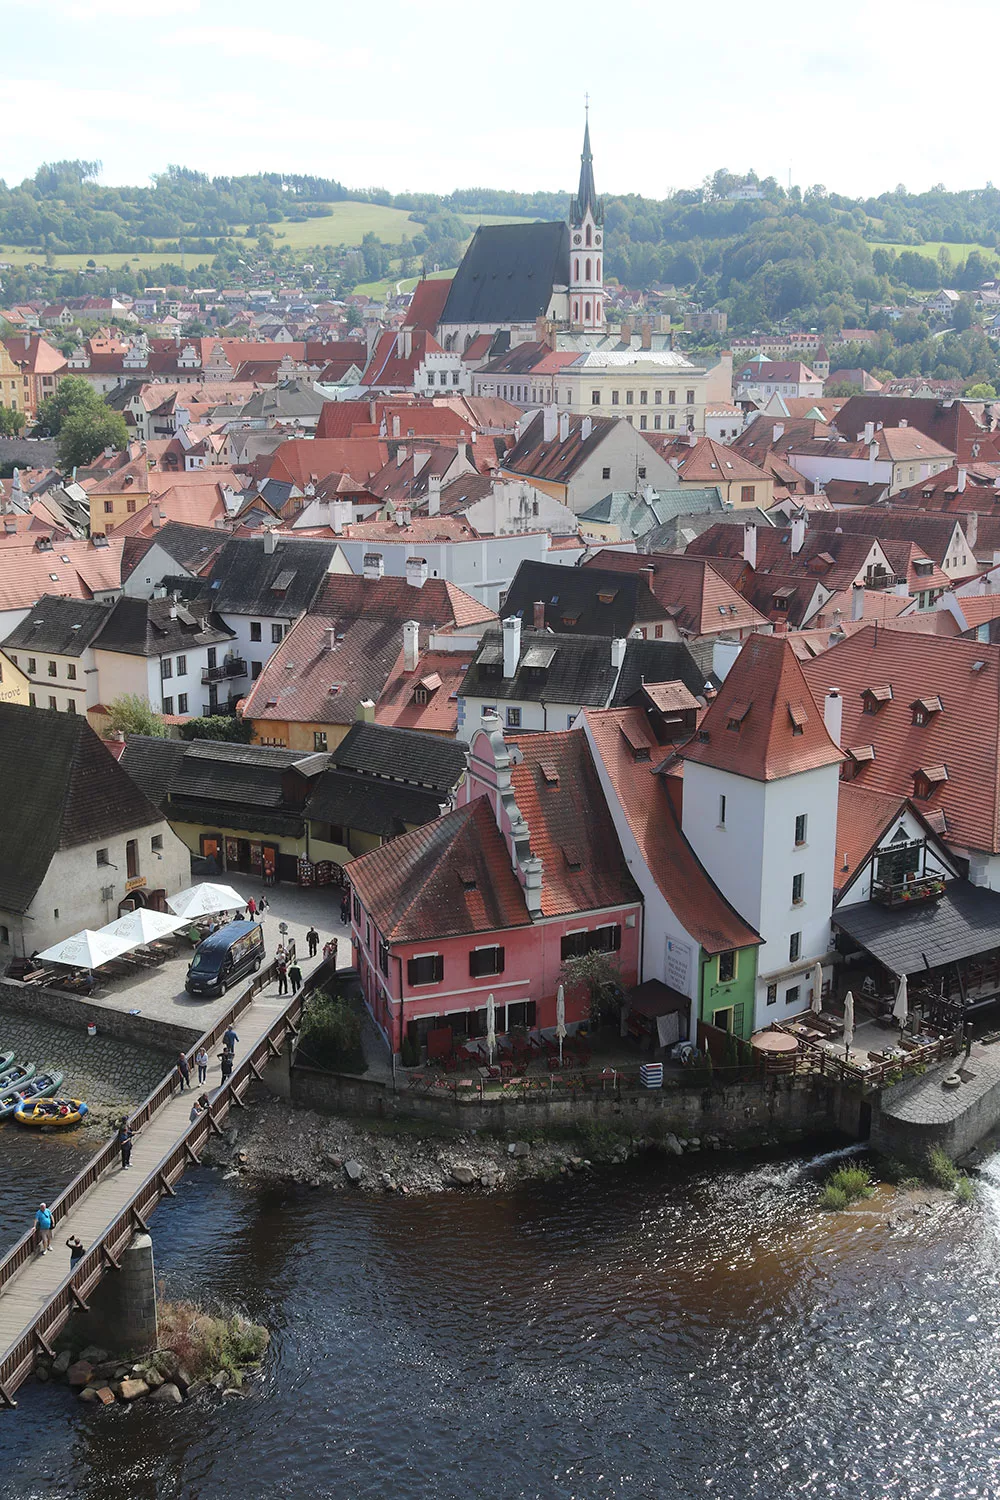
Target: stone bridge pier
122, 1308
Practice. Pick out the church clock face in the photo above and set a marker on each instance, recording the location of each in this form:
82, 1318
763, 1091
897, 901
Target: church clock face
597, 239
577, 239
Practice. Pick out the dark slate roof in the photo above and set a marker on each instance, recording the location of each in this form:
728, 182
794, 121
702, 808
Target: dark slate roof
573, 594
370, 803
191, 547
237, 816
221, 772
292, 398
961, 923
151, 763
424, 760
65, 627
657, 661
143, 627
61, 788
508, 272
244, 575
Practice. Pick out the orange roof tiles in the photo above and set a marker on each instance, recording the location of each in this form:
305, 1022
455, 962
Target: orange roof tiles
698, 598
693, 897
764, 722
299, 459
440, 674
438, 603
862, 817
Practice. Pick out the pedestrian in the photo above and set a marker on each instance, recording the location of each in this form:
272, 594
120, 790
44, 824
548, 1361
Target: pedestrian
43, 1222
282, 968
201, 1058
251, 909
229, 1039
280, 952
197, 1110
123, 1140
312, 938
329, 949
345, 908
968, 1040
262, 906
76, 1251
226, 1064
295, 977
184, 1070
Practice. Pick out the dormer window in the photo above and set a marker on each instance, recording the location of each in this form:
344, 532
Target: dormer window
874, 698
924, 709
798, 716
927, 780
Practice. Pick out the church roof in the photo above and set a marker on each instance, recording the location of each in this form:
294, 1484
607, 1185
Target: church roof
586, 196
508, 272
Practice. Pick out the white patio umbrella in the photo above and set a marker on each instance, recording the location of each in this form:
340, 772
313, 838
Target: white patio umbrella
491, 1025
204, 900
143, 925
848, 1021
560, 1019
86, 949
817, 997
901, 1010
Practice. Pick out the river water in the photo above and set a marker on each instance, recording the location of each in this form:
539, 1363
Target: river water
666, 1329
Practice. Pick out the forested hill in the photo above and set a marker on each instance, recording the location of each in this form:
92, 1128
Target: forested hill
785, 254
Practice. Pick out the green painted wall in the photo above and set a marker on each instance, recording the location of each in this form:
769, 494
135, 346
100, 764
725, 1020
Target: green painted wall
738, 992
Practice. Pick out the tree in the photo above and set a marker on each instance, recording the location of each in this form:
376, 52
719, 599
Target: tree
981, 391
85, 434
600, 975
218, 727
961, 317
73, 394
12, 423
132, 714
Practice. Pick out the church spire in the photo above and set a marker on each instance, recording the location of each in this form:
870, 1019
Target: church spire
586, 197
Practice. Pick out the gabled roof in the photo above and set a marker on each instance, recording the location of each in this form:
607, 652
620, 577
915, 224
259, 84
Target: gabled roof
694, 898
576, 669
61, 789
507, 273
950, 423
436, 603
298, 460
305, 682
697, 598
965, 736
449, 878
587, 601
933, 533
64, 627
191, 547
556, 458
863, 815
246, 579
764, 722
427, 303
422, 760
158, 627
710, 462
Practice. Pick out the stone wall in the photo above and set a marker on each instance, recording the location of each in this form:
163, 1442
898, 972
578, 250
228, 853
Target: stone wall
917, 1116
67, 1010
739, 1113
104, 1070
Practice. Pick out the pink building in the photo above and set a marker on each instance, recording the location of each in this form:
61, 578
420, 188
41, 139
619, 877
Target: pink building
492, 897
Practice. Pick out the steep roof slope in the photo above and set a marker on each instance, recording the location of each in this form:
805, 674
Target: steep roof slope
508, 272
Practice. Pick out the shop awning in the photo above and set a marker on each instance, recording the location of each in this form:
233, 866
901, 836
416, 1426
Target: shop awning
908, 939
654, 998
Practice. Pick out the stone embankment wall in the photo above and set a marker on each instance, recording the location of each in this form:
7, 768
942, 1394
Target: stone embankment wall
738, 1113
67, 1010
104, 1070
920, 1115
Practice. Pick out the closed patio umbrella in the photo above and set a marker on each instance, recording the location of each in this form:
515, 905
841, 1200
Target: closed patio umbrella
143, 925
560, 1019
86, 949
817, 997
491, 1025
901, 1010
204, 900
848, 1021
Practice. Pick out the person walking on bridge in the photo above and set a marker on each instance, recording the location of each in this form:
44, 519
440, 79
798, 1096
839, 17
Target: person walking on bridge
226, 1063
295, 978
201, 1058
76, 1251
43, 1222
229, 1039
312, 938
123, 1140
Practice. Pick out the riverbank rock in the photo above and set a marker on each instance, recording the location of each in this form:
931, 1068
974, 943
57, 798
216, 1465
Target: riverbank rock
94, 1355
167, 1394
518, 1149
463, 1175
354, 1170
43, 1371
62, 1362
79, 1374
103, 1395
132, 1388
672, 1144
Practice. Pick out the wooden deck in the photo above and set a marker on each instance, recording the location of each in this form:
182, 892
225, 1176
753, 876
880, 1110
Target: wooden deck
105, 1205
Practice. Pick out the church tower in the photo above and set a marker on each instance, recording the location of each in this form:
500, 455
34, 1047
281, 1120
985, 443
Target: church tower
586, 251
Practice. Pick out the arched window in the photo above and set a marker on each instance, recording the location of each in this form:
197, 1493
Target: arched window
576, 273
588, 234
588, 269
576, 312
586, 312
598, 268
598, 311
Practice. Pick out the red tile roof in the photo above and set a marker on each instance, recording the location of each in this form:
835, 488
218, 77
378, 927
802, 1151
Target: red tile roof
695, 900
449, 878
697, 598
305, 682
964, 736
709, 462
863, 814
427, 304
437, 603
299, 459
951, 424
389, 367
441, 674
559, 795
764, 722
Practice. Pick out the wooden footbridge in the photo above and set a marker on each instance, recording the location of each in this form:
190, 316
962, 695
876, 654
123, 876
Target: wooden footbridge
105, 1206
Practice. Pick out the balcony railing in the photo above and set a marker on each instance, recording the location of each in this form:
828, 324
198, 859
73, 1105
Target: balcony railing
921, 888
233, 666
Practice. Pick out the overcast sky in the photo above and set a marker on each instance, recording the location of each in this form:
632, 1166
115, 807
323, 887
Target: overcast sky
407, 95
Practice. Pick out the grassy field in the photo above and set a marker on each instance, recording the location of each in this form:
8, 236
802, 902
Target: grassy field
380, 289
957, 252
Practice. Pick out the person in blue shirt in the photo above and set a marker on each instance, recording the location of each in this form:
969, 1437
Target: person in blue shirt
43, 1222
229, 1040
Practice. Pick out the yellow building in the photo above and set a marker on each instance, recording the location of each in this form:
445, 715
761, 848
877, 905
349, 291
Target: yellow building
120, 495
14, 686
10, 382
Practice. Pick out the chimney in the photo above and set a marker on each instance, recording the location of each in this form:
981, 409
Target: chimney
173, 610
401, 456
798, 535
365, 713
270, 542
563, 426
434, 494
403, 515
411, 645
374, 566
962, 476
903, 422
857, 601
511, 645
420, 461
331, 637
833, 714
586, 427
901, 590
750, 544
416, 572
618, 648
971, 528
647, 333
395, 426
869, 432
538, 614
532, 867
550, 423
778, 431
341, 515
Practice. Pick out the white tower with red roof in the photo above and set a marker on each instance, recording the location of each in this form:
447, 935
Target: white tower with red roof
761, 782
